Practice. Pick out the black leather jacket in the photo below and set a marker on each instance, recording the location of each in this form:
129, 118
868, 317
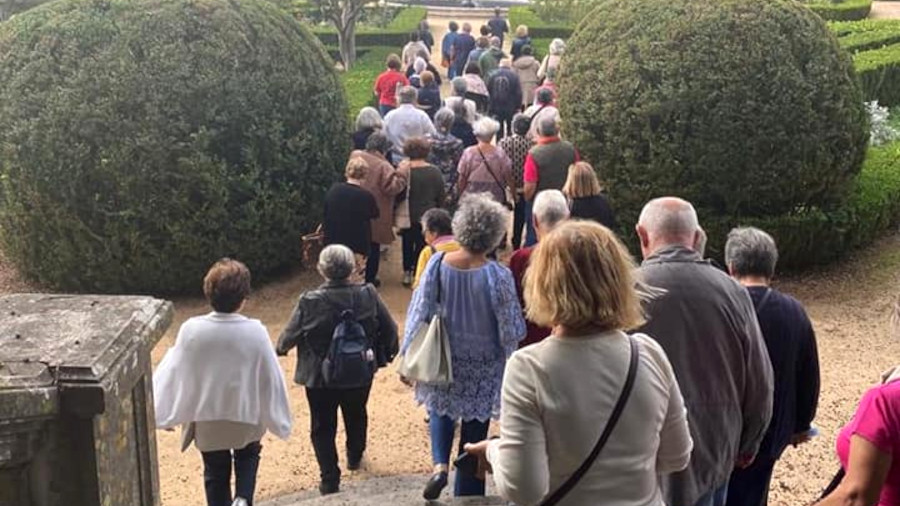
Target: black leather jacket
317, 314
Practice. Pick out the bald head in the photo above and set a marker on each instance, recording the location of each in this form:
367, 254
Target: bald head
667, 221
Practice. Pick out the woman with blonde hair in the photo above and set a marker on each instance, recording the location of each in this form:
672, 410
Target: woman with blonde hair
349, 210
586, 198
522, 39
550, 65
588, 378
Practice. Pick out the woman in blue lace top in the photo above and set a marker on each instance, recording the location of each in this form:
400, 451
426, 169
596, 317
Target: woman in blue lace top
485, 324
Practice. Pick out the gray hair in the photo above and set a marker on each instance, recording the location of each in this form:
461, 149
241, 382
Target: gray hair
460, 86
557, 47
419, 65
750, 251
550, 207
670, 218
369, 117
443, 120
378, 142
495, 41
548, 126
407, 95
336, 262
545, 96
479, 223
485, 128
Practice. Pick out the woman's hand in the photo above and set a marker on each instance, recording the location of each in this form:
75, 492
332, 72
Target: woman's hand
480, 450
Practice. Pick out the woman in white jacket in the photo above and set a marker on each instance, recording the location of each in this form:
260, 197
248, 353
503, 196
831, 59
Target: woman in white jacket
221, 382
559, 394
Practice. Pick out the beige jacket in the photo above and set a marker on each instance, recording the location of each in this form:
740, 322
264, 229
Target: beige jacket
384, 183
526, 68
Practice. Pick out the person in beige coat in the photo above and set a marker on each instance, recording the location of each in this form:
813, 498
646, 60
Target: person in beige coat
551, 61
526, 66
384, 183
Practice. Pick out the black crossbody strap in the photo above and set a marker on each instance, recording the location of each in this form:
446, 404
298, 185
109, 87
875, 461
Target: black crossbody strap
437, 278
491, 172
573, 480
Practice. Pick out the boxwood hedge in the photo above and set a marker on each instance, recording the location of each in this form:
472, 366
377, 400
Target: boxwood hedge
748, 108
843, 10
140, 140
856, 36
879, 74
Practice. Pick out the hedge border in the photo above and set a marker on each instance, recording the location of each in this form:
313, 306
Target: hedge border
879, 74
537, 28
815, 237
848, 10
866, 34
395, 34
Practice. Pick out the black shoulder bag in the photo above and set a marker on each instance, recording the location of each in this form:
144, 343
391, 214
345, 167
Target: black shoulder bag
506, 203
565, 488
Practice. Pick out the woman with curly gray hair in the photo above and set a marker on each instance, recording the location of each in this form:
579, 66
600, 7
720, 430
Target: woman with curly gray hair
485, 324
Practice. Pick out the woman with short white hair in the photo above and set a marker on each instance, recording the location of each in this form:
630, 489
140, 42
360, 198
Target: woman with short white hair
550, 65
485, 167
367, 121
484, 324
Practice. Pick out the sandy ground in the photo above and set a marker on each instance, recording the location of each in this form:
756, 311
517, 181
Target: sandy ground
885, 10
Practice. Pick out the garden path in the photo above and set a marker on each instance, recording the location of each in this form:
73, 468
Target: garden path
885, 10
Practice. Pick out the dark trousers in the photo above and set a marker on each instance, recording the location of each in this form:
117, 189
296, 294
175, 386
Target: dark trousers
323, 407
384, 109
505, 120
373, 262
441, 429
413, 242
750, 486
217, 474
518, 221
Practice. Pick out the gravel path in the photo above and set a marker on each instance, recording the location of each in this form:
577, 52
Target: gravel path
885, 10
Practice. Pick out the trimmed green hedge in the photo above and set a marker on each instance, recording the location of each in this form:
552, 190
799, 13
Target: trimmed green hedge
847, 10
867, 34
537, 28
141, 140
879, 74
396, 34
809, 237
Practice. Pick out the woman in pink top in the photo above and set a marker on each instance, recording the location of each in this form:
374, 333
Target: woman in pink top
869, 449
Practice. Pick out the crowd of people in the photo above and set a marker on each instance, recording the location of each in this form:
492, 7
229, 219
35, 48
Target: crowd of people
670, 382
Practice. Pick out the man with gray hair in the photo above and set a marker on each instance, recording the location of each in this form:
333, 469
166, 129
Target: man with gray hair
546, 166
706, 323
751, 255
549, 210
542, 108
405, 122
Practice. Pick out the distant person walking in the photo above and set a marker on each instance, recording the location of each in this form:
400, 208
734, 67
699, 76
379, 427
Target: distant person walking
413, 48
463, 44
506, 96
314, 331
516, 147
702, 312
446, 149
484, 323
429, 96
526, 67
550, 209
546, 167
447, 49
222, 383
522, 39
498, 25
406, 122
543, 108
426, 191
384, 183
485, 168
387, 84
586, 197
425, 35
349, 210
489, 61
751, 256
551, 61
368, 121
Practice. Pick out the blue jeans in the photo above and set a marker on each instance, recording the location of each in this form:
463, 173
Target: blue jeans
217, 474
530, 235
384, 109
442, 429
717, 497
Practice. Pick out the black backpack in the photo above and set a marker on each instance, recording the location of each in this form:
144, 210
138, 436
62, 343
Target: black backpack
350, 361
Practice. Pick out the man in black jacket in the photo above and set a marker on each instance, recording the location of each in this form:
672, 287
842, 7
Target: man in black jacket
505, 91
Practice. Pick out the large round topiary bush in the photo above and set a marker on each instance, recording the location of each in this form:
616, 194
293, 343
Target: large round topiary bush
140, 140
747, 108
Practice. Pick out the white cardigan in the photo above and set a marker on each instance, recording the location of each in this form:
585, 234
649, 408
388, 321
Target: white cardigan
557, 397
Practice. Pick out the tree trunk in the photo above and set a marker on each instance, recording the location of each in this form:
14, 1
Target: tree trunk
347, 44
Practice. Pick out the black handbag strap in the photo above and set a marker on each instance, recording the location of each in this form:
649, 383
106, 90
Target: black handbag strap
491, 172
582, 470
437, 278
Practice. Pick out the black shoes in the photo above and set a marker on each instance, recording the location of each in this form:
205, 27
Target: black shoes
354, 464
327, 487
435, 486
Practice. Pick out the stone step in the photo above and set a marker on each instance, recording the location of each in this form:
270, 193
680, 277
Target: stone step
388, 491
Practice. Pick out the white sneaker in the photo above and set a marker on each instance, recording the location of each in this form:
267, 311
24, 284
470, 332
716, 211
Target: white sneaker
407, 278
239, 501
